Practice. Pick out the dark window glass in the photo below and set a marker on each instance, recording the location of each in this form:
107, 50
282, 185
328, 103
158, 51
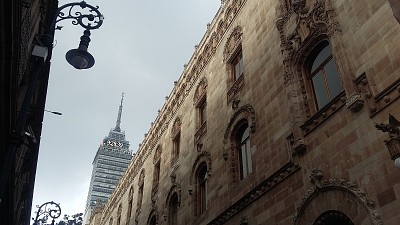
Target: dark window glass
244, 150
140, 195
173, 210
153, 220
238, 67
202, 189
325, 77
176, 146
202, 113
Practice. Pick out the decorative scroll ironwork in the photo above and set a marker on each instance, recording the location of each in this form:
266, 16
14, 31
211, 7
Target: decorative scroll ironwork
46, 210
90, 21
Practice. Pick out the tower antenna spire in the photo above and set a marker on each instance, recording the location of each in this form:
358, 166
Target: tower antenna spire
118, 125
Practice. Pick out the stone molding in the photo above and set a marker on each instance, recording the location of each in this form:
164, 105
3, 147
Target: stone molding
321, 186
271, 182
204, 156
201, 91
175, 189
381, 100
323, 114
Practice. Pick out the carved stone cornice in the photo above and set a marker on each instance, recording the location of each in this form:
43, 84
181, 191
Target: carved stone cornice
263, 188
321, 186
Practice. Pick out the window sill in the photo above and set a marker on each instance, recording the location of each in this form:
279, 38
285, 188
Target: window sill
200, 133
236, 87
322, 115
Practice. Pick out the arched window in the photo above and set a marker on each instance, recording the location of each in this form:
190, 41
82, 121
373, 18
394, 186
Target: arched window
119, 214
173, 210
176, 139
141, 189
242, 138
333, 217
157, 169
153, 220
111, 221
129, 213
323, 74
202, 189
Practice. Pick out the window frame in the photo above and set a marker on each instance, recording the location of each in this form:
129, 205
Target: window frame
311, 73
173, 209
237, 60
176, 142
244, 156
202, 183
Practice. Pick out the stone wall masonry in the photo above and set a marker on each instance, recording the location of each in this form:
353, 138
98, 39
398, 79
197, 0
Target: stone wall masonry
305, 162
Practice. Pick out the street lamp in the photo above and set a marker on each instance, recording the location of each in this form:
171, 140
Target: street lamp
53, 112
393, 143
80, 58
80, 13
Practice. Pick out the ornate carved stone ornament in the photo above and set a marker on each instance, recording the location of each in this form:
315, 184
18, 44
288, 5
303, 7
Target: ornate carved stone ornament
174, 190
354, 102
348, 189
200, 92
157, 154
204, 156
233, 44
300, 26
393, 143
153, 213
299, 146
141, 177
176, 127
246, 112
244, 220
271, 182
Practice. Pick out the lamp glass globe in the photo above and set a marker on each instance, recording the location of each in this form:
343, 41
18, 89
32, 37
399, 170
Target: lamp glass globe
397, 162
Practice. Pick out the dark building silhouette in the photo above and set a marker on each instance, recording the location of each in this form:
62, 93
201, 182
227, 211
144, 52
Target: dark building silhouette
25, 31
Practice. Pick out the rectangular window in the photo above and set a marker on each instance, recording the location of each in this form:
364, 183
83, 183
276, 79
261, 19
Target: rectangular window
156, 173
176, 146
140, 196
202, 113
237, 66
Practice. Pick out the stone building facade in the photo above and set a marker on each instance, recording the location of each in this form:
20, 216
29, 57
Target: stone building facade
274, 121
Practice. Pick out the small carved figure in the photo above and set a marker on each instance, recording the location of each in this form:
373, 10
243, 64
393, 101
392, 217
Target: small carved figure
392, 128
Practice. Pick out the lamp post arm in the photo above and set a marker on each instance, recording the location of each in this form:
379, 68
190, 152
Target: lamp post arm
90, 21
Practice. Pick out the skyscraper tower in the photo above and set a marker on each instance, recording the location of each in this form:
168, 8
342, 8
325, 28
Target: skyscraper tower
111, 160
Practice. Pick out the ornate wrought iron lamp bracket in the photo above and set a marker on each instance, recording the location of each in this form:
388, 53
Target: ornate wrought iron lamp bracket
90, 21
46, 210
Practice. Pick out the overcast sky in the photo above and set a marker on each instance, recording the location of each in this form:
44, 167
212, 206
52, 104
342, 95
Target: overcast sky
140, 50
